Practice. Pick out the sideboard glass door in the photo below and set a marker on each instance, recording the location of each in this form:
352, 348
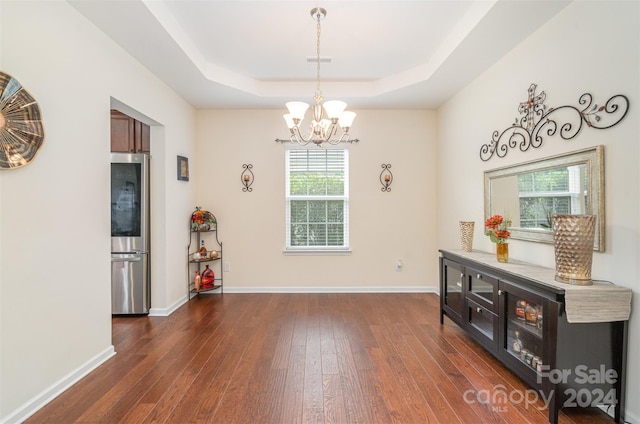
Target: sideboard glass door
524, 321
451, 290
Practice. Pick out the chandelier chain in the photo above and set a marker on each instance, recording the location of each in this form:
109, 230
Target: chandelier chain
318, 55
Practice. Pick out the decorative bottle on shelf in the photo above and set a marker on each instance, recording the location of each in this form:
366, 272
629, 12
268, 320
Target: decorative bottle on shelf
517, 343
197, 281
540, 319
203, 250
208, 278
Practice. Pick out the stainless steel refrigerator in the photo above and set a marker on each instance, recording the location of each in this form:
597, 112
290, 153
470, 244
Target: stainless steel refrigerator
130, 276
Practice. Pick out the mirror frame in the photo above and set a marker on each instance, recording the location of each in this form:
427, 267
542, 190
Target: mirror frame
592, 157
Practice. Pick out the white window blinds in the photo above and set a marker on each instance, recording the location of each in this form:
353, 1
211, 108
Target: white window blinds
317, 196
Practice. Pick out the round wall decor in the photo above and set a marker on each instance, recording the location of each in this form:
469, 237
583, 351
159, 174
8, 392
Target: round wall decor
21, 127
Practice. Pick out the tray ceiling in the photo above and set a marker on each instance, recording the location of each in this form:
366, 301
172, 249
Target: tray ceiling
253, 54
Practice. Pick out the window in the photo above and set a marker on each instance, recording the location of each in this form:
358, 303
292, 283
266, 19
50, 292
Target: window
547, 193
317, 195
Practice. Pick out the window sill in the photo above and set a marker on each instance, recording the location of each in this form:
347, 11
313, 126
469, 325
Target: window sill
317, 252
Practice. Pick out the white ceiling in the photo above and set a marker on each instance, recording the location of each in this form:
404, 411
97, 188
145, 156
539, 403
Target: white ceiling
385, 54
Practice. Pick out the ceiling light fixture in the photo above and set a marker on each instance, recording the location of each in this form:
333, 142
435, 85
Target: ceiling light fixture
322, 130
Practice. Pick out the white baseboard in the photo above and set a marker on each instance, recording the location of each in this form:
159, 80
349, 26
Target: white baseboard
631, 418
628, 417
406, 289
165, 312
32, 406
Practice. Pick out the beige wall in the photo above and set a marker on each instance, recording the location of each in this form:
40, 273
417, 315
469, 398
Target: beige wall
590, 47
384, 227
55, 284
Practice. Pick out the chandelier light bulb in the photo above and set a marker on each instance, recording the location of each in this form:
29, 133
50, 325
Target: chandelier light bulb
346, 119
289, 120
297, 109
334, 108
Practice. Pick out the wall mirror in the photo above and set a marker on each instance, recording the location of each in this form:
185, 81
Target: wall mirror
530, 193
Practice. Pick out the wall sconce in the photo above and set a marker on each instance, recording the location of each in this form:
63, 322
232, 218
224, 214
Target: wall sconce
247, 177
386, 177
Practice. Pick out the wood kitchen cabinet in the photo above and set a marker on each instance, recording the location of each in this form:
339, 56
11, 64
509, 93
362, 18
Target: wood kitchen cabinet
128, 135
566, 342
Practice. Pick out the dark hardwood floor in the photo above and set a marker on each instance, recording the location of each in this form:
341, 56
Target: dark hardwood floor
293, 358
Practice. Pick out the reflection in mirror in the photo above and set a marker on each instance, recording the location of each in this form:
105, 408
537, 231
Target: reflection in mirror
529, 194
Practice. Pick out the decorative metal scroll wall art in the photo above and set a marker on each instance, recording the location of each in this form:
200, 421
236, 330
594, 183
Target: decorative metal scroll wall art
386, 177
21, 127
536, 122
247, 177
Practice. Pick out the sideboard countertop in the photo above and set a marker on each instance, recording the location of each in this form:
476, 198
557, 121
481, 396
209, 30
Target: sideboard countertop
599, 302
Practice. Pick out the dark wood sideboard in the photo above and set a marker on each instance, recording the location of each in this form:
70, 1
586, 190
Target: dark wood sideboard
567, 342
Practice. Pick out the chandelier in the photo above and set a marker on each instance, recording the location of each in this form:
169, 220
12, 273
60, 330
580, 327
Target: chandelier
322, 129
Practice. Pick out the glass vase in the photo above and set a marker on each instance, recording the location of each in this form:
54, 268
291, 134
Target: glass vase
502, 252
573, 237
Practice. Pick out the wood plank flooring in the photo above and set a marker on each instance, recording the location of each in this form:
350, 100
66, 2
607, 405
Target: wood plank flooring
300, 358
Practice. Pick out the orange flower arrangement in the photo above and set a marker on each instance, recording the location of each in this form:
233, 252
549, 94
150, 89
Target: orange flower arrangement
496, 228
202, 220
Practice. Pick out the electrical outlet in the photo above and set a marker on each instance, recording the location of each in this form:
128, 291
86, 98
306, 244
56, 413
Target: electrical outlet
227, 267
399, 265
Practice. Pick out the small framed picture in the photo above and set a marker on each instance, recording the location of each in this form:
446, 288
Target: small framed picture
183, 168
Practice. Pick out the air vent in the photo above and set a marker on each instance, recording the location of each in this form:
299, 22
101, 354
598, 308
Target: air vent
323, 59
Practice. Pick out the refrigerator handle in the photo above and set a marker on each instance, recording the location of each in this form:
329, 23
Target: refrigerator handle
126, 259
